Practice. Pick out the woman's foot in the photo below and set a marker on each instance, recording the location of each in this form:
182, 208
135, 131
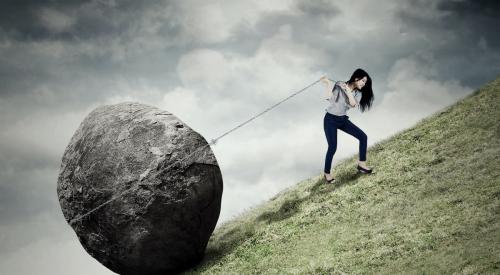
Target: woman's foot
328, 178
363, 168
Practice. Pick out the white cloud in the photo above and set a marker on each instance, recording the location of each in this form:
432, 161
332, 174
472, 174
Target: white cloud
414, 93
204, 68
183, 103
279, 65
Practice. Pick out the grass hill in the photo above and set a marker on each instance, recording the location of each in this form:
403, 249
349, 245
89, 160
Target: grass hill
432, 207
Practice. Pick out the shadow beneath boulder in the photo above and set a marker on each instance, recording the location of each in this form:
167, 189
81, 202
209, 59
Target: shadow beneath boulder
230, 238
224, 243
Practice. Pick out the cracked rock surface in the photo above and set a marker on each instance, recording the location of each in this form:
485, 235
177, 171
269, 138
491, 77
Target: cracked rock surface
171, 204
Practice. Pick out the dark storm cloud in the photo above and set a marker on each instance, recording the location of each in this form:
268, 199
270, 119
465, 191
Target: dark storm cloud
462, 36
474, 19
469, 19
95, 43
309, 23
20, 20
322, 8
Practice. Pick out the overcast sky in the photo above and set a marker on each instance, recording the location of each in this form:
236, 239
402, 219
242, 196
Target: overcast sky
215, 64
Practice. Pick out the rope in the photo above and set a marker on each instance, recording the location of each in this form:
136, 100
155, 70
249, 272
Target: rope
268, 109
213, 142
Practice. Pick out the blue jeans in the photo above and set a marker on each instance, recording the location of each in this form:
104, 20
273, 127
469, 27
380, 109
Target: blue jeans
330, 124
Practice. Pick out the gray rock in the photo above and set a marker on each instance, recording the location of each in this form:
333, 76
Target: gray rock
163, 223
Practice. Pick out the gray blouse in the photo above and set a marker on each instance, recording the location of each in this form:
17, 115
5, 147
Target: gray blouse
339, 102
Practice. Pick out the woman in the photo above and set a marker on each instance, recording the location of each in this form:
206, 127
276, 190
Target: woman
343, 96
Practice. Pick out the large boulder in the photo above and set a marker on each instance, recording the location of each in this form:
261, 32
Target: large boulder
160, 207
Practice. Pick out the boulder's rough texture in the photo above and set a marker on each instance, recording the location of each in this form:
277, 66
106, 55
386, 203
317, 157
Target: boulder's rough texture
163, 223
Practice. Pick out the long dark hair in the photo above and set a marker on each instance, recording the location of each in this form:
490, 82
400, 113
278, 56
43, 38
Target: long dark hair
366, 92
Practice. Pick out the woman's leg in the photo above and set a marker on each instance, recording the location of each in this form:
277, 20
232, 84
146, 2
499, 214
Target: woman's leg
354, 131
331, 137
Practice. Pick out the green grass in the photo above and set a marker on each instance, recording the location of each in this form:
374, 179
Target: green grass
432, 207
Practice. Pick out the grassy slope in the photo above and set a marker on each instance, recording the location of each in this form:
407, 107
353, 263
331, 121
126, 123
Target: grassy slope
431, 207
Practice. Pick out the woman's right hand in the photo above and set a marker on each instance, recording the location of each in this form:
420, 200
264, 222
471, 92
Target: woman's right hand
324, 79
343, 85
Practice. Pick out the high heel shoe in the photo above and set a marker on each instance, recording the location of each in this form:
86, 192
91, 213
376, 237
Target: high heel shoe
329, 181
363, 170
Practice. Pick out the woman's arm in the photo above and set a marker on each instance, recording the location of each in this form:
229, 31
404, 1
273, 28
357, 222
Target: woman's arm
352, 100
